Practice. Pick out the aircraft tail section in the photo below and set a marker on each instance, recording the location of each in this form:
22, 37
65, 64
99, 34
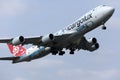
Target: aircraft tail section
17, 50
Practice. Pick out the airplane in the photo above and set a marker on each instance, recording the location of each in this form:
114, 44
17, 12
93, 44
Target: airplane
70, 38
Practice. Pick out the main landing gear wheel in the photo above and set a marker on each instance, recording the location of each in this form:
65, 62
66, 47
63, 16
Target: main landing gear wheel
61, 53
54, 52
72, 51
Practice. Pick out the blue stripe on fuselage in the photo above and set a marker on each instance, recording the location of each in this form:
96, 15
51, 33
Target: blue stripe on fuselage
36, 53
32, 55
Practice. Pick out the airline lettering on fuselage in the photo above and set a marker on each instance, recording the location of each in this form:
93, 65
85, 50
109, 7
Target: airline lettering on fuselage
79, 22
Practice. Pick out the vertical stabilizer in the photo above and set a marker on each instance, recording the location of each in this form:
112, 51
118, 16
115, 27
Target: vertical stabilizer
17, 50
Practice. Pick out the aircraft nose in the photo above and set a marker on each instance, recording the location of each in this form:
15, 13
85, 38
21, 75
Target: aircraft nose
110, 10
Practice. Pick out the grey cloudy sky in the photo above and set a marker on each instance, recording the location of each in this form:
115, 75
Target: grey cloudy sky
40, 17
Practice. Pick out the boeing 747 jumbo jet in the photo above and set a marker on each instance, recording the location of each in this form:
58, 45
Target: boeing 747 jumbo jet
71, 38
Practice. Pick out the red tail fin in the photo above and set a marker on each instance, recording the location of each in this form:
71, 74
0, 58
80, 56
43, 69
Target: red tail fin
17, 50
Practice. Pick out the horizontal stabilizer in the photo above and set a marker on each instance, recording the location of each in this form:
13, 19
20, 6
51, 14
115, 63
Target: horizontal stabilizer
9, 58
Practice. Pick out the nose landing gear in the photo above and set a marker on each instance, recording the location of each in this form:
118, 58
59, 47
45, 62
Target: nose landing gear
104, 27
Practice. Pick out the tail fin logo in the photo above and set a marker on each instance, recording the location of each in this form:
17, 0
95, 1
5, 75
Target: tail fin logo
17, 50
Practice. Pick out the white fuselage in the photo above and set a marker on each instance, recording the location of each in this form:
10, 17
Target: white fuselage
94, 18
89, 21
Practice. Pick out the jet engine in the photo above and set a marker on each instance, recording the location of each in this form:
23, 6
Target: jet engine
18, 40
48, 38
92, 41
92, 44
93, 47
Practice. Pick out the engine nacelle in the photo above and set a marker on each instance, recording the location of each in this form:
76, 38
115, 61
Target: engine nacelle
18, 40
48, 38
94, 47
92, 41
91, 44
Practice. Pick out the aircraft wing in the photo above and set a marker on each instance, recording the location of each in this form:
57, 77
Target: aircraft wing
5, 40
35, 40
9, 58
90, 44
31, 40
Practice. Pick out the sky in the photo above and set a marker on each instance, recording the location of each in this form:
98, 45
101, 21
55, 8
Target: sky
41, 17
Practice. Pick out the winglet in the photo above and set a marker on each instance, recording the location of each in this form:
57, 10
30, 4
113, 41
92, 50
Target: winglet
16, 50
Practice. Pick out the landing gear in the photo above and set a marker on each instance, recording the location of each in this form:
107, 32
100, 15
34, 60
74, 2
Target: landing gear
61, 53
104, 27
72, 51
54, 52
